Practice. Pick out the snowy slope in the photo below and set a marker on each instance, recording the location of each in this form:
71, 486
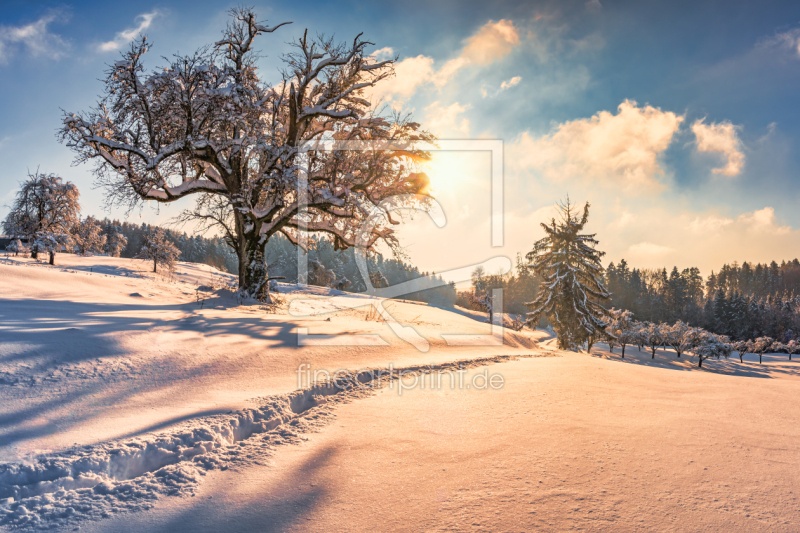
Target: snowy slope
125, 392
97, 350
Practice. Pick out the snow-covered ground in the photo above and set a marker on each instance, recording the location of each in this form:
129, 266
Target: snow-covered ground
128, 399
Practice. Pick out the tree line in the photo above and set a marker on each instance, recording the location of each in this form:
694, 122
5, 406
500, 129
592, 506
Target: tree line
742, 302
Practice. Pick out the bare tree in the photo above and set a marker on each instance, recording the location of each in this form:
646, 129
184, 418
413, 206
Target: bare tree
158, 249
207, 125
45, 205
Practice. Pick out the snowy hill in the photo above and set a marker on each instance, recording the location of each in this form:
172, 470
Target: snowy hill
119, 387
97, 349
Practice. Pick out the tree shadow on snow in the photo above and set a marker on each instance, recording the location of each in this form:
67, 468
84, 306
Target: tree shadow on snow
80, 344
274, 506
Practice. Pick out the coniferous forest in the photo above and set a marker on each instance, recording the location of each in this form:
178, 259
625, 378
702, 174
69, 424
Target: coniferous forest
740, 301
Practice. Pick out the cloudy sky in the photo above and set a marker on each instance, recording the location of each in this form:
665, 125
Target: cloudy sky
678, 121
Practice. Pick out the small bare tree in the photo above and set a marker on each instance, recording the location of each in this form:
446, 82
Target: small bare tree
160, 250
207, 125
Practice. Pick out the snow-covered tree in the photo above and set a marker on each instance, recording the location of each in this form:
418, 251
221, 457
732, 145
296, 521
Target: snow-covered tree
621, 329
572, 280
88, 236
743, 348
378, 280
484, 302
792, 347
319, 275
158, 249
45, 206
52, 243
16, 246
681, 337
115, 240
711, 345
761, 345
207, 125
654, 335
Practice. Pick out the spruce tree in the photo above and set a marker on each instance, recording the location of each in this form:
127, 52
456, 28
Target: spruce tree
572, 280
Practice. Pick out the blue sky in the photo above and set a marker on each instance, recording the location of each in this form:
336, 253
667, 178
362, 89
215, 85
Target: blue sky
679, 121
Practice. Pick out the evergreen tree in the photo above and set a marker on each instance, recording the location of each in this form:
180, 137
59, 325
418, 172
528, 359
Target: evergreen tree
572, 280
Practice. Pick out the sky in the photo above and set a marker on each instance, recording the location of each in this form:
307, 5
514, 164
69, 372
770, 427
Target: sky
677, 121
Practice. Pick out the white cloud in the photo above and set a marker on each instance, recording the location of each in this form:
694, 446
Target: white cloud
35, 38
382, 54
503, 86
709, 224
788, 40
762, 221
722, 138
648, 249
441, 120
594, 6
510, 83
491, 43
410, 74
124, 37
619, 150
624, 220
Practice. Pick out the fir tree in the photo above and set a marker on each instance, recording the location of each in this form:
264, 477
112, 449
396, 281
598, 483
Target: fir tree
572, 275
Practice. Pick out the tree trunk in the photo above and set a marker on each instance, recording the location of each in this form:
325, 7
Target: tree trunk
654, 348
623, 351
34, 254
759, 359
52, 258
155, 265
253, 281
699, 362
